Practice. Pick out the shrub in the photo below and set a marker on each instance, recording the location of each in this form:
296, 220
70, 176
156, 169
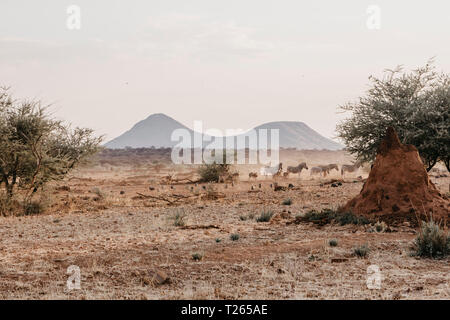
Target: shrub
36, 149
197, 256
350, 218
35, 206
287, 202
218, 240
265, 216
212, 172
178, 218
361, 251
321, 218
234, 237
327, 216
432, 241
333, 242
100, 194
380, 226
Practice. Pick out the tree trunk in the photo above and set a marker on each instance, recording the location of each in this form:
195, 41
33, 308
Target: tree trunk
431, 164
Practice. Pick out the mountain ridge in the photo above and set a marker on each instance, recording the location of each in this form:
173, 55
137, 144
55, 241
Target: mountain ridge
156, 129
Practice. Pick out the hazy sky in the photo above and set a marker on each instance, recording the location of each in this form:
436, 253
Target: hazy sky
230, 63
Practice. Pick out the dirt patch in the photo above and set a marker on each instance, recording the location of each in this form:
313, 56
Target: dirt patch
398, 185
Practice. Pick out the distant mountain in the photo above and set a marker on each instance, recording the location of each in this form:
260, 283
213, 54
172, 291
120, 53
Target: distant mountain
157, 129
154, 131
298, 135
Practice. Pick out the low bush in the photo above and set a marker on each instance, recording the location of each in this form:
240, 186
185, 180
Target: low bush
178, 218
197, 256
265, 216
212, 172
327, 216
234, 237
432, 241
333, 242
361, 251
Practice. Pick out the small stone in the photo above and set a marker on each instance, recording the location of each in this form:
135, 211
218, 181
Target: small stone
158, 277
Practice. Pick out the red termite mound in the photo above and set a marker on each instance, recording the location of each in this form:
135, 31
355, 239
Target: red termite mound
398, 186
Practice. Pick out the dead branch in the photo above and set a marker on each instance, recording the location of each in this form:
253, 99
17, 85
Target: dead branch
209, 226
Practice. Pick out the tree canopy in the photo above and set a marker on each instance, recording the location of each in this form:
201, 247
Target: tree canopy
416, 104
34, 148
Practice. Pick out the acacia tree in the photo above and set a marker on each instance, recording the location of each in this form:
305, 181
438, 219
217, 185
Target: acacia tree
416, 104
34, 148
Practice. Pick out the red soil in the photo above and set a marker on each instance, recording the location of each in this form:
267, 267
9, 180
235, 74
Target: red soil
398, 185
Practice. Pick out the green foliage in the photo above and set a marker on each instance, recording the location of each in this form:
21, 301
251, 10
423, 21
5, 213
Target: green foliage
416, 104
265, 216
432, 241
212, 172
36, 149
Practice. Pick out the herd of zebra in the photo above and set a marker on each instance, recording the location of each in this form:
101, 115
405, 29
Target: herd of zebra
321, 170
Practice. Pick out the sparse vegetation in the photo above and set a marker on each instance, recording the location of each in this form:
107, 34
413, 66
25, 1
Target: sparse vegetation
197, 256
327, 216
361, 251
178, 218
243, 218
36, 205
234, 237
432, 241
212, 172
100, 194
287, 202
380, 226
265, 216
350, 218
218, 240
333, 242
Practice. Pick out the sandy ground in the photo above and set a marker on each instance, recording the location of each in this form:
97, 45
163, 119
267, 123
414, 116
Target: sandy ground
119, 239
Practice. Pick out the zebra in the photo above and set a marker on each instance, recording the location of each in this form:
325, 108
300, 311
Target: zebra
327, 168
350, 167
298, 169
318, 170
272, 171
